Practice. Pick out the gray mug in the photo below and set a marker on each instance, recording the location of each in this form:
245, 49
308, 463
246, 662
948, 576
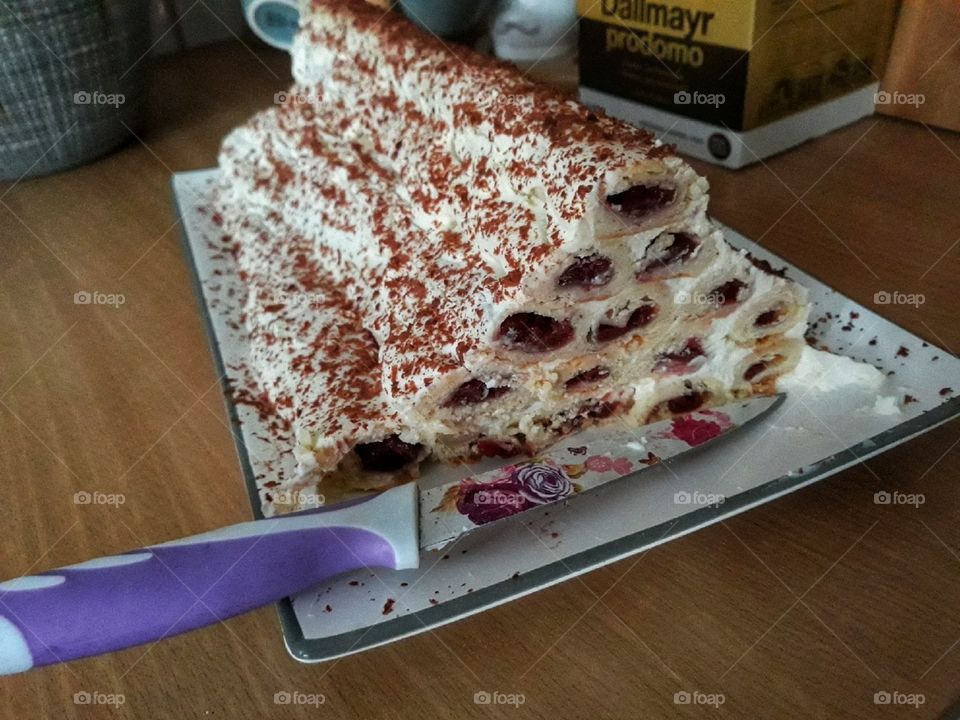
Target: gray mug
72, 81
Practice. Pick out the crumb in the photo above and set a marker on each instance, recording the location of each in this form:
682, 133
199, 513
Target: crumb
946, 391
872, 342
328, 609
909, 399
650, 459
388, 606
903, 352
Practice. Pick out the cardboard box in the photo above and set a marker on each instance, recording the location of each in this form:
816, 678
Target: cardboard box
734, 82
921, 79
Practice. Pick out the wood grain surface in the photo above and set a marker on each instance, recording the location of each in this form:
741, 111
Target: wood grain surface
803, 608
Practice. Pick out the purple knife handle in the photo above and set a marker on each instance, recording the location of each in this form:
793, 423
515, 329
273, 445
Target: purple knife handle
149, 594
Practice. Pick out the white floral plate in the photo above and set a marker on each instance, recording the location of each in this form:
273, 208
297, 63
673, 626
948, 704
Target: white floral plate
807, 438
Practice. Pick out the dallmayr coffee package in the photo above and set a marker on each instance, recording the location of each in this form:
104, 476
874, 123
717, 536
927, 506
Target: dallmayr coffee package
734, 82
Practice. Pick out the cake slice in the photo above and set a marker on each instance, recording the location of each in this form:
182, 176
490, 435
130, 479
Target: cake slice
451, 372
496, 264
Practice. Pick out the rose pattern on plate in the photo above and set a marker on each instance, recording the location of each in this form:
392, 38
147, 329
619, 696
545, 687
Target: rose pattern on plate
519, 487
542, 483
699, 427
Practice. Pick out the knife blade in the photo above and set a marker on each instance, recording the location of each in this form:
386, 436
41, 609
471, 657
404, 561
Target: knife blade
459, 507
151, 593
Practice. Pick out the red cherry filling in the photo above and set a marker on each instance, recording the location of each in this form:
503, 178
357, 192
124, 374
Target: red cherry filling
472, 392
728, 293
677, 252
680, 361
587, 377
588, 272
641, 317
596, 409
758, 367
489, 447
769, 317
533, 333
387, 455
688, 402
754, 370
641, 200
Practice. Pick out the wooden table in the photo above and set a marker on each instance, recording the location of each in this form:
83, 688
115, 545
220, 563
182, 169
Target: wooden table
805, 607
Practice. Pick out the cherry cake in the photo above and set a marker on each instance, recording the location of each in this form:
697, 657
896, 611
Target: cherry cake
445, 260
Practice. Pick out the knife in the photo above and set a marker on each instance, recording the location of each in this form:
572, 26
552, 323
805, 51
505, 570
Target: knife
145, 595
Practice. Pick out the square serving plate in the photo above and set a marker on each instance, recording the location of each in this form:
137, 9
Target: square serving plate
810, 436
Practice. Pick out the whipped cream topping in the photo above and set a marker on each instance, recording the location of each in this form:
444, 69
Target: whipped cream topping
823, 372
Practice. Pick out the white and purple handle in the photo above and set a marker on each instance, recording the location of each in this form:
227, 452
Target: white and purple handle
145, 595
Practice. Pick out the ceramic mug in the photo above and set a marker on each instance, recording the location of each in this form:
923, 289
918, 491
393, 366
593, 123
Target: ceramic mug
273, 21
446, 18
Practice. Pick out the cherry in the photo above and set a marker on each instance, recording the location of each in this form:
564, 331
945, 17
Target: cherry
758, 367
678, 251
688, 402
641, 200
472, 392
387, 455
488, 447
679, 361
587, 377
768, 318
588, 272
641, 317
532, 333
754, 370
728, 293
